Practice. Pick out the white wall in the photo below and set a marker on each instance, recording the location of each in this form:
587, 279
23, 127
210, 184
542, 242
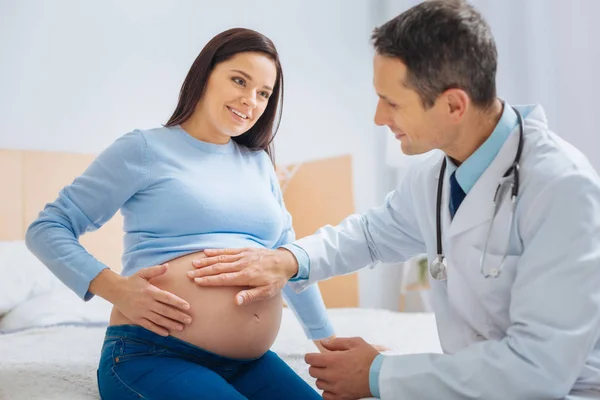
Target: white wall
76, 75
548, 54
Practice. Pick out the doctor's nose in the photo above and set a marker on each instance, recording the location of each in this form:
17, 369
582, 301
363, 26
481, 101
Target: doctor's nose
380, 117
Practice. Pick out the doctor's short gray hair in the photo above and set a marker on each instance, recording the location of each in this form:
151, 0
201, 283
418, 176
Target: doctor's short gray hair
445, 44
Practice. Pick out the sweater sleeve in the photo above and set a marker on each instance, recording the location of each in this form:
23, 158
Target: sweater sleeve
307, 306
84, 206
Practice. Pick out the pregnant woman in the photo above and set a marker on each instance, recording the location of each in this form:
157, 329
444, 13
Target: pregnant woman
205, 180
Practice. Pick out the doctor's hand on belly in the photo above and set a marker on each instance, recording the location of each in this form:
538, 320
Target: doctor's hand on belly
142, 302
263, 272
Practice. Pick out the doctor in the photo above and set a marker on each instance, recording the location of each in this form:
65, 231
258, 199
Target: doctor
507, 212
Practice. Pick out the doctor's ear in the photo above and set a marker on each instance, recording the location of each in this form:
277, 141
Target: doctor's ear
457, 102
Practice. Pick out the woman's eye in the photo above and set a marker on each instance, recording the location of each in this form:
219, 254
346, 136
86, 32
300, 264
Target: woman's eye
266, 95
239, 81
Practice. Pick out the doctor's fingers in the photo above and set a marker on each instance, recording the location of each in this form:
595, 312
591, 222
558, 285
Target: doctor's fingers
327, 395
218, 252
256, 294
321, 360
342, 343
325, 385
236, 278
323, 374
223, 259
216, 269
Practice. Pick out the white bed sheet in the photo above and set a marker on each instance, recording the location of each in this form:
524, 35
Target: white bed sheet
59, 362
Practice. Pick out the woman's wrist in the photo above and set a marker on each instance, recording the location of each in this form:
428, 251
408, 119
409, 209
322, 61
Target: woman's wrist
107, 284
320, 346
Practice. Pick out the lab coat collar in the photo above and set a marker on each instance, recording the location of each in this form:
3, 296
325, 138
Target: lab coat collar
477, 207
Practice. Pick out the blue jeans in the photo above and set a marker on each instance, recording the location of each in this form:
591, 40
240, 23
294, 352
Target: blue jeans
138, 364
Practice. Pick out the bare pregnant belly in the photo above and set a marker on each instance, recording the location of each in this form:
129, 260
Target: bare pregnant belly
218, 325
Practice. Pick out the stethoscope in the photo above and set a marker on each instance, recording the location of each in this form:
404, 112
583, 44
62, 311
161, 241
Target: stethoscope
437, 268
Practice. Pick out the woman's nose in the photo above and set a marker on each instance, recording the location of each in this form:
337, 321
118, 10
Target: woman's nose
250, 100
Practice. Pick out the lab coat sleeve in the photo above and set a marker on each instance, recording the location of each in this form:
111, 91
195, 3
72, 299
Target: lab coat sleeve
388, 233
554, 312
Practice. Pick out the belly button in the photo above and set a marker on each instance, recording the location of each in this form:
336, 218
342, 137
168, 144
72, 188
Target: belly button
256, 315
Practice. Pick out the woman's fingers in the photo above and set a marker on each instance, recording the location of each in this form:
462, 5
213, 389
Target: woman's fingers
168, 305
169, 298
171, 313
151, 326
164, 322
380, 348
152, 272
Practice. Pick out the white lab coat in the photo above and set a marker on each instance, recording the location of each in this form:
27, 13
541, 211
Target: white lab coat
532, 333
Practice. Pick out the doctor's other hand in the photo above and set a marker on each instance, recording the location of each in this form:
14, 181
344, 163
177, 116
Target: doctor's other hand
322, 348
146, 305
264, 271
343, 371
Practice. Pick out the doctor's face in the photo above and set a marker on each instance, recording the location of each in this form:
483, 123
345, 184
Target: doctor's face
400, 108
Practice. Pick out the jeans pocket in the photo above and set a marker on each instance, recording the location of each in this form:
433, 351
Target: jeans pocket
128, 349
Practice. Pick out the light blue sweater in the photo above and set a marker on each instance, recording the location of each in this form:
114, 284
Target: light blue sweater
178, 195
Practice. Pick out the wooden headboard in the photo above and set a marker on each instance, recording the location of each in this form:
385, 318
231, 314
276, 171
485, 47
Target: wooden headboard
316, 193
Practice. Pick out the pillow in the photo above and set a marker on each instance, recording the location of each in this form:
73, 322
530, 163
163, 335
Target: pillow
22, 275
30, 295
60, 306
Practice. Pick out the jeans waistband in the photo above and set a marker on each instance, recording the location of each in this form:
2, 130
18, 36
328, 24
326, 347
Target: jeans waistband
168, 342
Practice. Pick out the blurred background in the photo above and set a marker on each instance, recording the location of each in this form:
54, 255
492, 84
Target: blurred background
75, 75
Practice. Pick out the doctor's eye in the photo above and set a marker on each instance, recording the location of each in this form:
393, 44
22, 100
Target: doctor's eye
239, 81
393, 105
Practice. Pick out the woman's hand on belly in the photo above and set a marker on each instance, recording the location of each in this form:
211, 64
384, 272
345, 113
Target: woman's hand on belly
219, 324
146, 305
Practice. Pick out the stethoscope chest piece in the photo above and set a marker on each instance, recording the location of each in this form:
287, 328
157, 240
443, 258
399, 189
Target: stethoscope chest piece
438, 268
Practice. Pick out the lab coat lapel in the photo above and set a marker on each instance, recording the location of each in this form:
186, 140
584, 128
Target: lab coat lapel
477, 207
